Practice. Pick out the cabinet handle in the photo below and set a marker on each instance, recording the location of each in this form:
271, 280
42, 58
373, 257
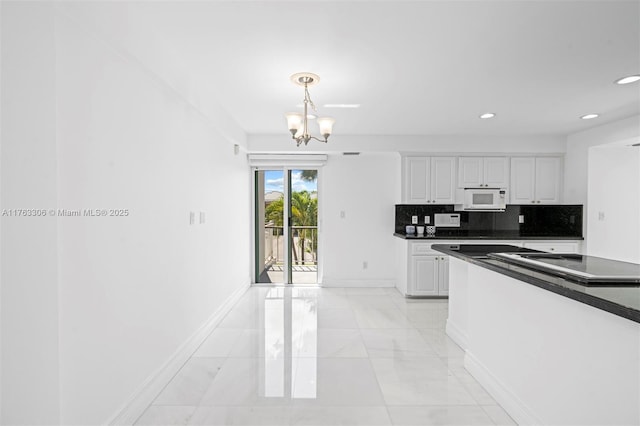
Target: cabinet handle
433, 201
533, 201
538, 201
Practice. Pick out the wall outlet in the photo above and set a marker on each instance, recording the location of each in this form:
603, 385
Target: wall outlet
600, 215
520, 218
414, 220
192, 218
427, 220
342, 214
365, 264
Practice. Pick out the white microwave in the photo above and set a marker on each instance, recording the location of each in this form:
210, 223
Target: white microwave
483, 199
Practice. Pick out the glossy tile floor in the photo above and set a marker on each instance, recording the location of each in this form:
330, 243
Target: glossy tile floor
319, 356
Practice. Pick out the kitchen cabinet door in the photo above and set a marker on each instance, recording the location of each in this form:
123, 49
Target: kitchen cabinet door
424, 276
443, 276
547, 181
443, 176
523, 174
416, 180
470, 172
496, 172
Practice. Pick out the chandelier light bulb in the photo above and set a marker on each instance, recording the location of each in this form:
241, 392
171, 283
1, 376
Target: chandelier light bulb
326, 126
294, 121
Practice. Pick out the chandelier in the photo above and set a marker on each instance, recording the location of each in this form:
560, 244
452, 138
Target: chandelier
298, 122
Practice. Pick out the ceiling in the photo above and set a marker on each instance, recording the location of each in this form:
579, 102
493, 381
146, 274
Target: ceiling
415, 67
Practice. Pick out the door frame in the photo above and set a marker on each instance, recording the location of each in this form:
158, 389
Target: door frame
286, 169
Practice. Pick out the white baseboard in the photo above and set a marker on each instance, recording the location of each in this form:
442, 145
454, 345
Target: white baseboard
457, 335
357, 283
513, 405
151, 388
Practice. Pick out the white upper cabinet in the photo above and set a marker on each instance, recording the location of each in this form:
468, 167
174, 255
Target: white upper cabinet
470, 172
548, 180
478, 172
416, 180
496, 172
429, 180
443, 180
536, 180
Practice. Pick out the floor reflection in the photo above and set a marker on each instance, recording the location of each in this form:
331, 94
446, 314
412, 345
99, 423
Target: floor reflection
304, 355
290, 343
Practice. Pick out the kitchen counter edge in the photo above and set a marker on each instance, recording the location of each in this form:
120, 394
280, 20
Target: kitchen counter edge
534, 278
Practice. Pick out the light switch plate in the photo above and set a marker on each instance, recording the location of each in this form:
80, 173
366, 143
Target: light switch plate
414, 220
520, 218
427, 220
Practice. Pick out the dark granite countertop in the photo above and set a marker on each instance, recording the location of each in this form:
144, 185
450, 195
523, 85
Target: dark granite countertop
623, 301
479, 236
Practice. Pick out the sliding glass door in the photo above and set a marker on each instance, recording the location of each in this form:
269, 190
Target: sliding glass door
286, 243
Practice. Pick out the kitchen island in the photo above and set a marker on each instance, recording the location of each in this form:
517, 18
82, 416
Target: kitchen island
549, 350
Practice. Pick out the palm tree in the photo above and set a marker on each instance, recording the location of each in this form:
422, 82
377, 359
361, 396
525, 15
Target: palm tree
308, 175
273, 213
304, 212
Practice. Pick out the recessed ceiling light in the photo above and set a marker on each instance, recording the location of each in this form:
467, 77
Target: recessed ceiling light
629, 79
341, 105
488, 115
589, 116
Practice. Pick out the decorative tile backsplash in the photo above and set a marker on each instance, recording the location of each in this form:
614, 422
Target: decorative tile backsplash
537, 221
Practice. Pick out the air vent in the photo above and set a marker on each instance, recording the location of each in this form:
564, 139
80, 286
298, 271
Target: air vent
350, 153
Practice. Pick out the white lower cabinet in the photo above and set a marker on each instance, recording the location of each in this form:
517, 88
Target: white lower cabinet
421, 270
429, 276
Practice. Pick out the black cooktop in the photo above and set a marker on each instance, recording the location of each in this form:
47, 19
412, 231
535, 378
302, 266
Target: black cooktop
576, 267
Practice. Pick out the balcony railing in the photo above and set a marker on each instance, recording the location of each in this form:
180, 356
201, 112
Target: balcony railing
304, 248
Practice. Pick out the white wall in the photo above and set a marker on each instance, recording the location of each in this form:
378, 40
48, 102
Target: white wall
613, 213
133, 289
93, 306
29, 323
576, 157
578, 174
365, 188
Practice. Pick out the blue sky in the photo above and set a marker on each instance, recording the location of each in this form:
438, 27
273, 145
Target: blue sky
274, 181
